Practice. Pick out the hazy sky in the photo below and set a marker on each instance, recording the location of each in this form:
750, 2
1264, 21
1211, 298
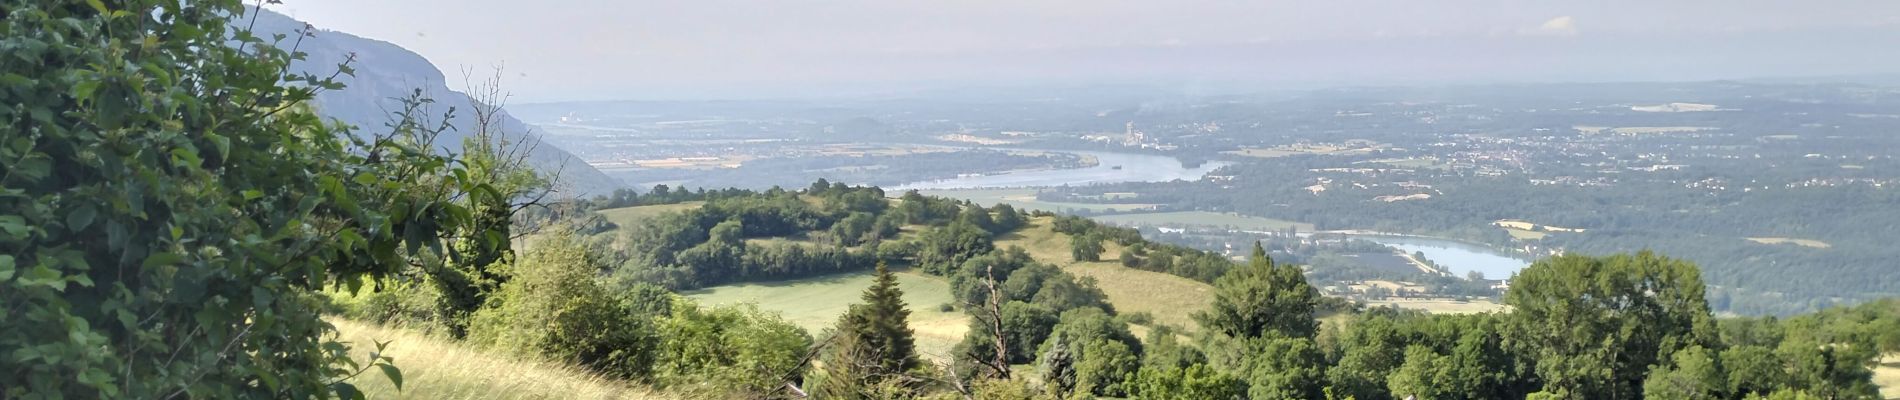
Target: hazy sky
601, 49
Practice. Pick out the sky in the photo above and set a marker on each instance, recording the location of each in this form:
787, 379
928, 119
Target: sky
644, 49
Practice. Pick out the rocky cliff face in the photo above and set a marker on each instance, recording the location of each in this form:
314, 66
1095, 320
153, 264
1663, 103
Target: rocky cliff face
386, 72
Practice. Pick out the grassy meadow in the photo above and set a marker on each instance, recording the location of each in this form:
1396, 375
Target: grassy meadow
815, 304
1521, 234
1171, 299
434, 368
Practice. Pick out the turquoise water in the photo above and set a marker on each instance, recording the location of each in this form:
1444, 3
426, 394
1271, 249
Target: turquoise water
1459, 257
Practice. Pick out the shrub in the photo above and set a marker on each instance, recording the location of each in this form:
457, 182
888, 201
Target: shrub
553, 307
169, 203
736, 351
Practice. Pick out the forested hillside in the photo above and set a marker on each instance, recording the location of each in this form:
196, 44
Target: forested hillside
178, 221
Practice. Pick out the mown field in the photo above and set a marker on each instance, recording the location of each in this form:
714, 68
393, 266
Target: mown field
815, 304
1026, 199
1203, 218
434, 368
1437, 306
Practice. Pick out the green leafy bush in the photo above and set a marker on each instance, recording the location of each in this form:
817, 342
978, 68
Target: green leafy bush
168, 205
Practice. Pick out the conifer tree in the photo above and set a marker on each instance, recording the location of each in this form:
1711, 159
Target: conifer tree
873, 349
1058, 368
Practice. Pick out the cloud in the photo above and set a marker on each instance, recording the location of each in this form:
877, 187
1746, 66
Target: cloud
1564, 26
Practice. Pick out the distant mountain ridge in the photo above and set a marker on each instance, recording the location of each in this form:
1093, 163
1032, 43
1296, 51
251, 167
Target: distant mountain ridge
385, 72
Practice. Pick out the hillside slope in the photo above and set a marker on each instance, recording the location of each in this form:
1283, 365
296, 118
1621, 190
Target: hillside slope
433, 368
1172, 300
385, 72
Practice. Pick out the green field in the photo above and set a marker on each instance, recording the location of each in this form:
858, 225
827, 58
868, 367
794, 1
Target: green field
627, 216
815, 304
1521, 234
1025, 199
1203, 218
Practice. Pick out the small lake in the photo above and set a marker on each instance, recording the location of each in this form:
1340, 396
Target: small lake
1459, 257
1132, 168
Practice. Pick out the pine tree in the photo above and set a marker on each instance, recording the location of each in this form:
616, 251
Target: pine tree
873, 349
1057, 368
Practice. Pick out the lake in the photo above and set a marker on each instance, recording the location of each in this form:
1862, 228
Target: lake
1133, 168
1459, 257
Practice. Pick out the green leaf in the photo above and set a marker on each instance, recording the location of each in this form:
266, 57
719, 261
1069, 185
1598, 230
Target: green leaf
161, 259
81, 217
394, 374
6, 267
261, 297
13, 225
83, 90
223, 144
42, 276
98, 5
252, 194
345, 391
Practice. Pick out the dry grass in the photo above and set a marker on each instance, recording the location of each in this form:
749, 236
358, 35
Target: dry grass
1171, 299
1887, 377
1532, 226
1440, 306
434, 368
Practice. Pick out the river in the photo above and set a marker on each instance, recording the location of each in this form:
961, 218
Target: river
1132, 168
1458, 257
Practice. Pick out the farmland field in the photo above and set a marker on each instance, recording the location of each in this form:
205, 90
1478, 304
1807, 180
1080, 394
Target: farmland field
1794, 241
1419, 163
1521, 234
1203, 218
1284, 151
1438, 306
815, 304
